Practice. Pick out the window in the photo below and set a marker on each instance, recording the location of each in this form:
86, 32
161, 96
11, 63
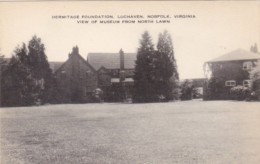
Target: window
247, 65
115, 72
63, 74
39, 83
247, 83
230, 83
131, 72
88, 73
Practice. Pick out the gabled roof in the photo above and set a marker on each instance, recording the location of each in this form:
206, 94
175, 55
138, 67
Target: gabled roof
90, 66
102, 68
55, 65
235, 55
111, 60
80, 58
74, 53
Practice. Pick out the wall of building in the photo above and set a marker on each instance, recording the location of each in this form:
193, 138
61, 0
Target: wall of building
76, 80
115, 91
222, 72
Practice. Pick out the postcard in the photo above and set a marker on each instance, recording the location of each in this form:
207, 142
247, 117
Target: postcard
130, 81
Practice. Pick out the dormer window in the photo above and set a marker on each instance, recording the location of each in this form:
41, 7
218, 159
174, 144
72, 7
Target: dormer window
247, 65
247, 83
230, 83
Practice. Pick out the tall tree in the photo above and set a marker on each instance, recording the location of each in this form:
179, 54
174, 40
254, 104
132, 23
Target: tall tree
254, 48
38, 63
17, 84
2, 61
167, 75
22, 55
144, 68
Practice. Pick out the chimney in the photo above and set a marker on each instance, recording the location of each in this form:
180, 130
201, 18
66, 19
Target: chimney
122, 59
75, 50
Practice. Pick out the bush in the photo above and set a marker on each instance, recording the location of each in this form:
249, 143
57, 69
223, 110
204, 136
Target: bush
186, 90
97, 95
240, 93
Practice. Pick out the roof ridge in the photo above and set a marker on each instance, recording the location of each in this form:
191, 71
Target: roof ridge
110, 60
235, 55
111, 53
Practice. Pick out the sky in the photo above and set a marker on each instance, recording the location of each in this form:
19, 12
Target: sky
218, 28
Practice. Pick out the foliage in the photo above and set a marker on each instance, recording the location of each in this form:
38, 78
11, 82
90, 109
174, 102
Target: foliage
215, 87
28, 79
254, 48
156, 76
188, 91
2, 61
144, 71
240, 92
38, 64
255, 75
166, 74
97, 95
17, 84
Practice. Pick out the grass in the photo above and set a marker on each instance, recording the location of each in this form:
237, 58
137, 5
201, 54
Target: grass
179, 132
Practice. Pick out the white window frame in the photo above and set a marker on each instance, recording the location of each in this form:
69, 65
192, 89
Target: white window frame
230, 83
248, 83
247, 65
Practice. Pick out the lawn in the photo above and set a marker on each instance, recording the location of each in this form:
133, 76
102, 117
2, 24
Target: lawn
177, 132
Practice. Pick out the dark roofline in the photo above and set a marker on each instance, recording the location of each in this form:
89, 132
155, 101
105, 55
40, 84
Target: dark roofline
55, 61
81, 59
60, 66
218, 59
111, 53
102, 67
199, 78
231, 60
87, 63
92, 58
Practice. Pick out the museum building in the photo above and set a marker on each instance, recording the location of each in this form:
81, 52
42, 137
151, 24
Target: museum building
227, 71
112, 73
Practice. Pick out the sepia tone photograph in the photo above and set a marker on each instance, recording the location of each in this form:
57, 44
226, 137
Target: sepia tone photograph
130, 82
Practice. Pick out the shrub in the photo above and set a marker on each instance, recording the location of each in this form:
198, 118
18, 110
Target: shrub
186, 90
240, 92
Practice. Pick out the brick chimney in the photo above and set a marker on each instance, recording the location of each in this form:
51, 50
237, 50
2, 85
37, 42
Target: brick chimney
122, 59
75, 50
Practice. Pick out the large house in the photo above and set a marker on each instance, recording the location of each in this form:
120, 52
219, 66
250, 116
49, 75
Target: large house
229, 70
115, 73
76, 79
